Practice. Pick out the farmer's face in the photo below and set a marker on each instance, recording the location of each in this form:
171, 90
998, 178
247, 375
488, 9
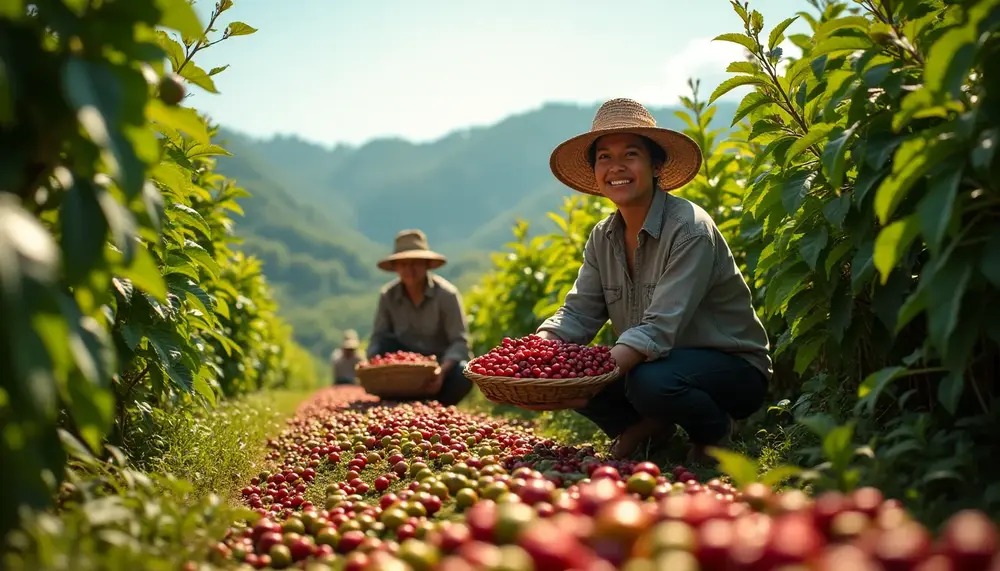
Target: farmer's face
623, 169
411, 272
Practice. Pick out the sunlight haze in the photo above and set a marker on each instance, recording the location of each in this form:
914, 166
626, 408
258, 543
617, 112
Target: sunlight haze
346, 72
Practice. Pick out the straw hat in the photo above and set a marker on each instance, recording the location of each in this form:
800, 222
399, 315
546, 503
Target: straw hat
569, 160
412, 245
350, 339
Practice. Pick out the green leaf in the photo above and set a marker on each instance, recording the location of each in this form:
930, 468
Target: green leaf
732, 83
862, 265
841, 310
945, 292
742, 67
989, 263
194, 251
835, 44
202, 388
218, 70
198, 76
806, 353
836, 255
836, 209
795, 190
740, 39
189, 289
777, 34
834, 155
121, 222
750, 101
950, 391
828, 27
11, 9
741, 469
145, 275
239, 29
180, 15
779, 474
950, 59
83, 229
811, 245
189, 217
96, 93
816, 133
914, 158
936, 208
183, 119
198, 151
174, 51
892, 242
837, 446
167, 346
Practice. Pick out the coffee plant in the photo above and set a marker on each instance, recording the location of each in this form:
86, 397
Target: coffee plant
870, 223
120, 288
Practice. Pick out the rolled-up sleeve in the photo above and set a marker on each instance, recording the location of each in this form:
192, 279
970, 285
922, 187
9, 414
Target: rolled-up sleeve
456, 327
584, 311
678, 292
381, 329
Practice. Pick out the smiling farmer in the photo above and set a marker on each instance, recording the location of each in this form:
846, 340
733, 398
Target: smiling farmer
692, 349
422, 312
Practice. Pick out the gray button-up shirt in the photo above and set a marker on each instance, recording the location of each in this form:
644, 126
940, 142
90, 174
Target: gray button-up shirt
438, 326
688, 291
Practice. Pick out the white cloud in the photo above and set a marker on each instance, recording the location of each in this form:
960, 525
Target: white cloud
700, 59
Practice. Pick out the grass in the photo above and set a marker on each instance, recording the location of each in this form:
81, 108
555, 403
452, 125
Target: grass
216, 450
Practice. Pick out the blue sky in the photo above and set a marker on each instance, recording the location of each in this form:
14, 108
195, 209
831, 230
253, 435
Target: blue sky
338, 71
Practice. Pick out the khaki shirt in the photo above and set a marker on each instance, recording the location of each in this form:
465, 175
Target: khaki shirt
438, 326
688, 291
343, 367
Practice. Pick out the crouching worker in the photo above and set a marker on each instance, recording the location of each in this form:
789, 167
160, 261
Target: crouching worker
422, 312
345, 358
691, 348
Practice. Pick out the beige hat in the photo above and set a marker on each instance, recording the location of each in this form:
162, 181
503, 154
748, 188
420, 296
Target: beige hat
412, 245
569, 160
350, 339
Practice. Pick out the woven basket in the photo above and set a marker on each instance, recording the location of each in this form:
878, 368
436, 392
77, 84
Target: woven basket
397, 380
538, 391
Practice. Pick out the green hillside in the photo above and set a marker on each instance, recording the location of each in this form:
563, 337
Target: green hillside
322, 215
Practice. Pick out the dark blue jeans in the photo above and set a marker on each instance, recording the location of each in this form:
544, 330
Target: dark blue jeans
697, 389
454, 386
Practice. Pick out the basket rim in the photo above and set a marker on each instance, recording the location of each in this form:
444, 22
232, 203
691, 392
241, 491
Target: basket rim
541, 383
389, 366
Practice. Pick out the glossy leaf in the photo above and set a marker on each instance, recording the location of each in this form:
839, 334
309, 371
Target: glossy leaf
892, 243
239, 29
912, 161
732, 83
777, 33
180, 15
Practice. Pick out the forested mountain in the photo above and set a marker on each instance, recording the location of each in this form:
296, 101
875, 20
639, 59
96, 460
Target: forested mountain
321, 216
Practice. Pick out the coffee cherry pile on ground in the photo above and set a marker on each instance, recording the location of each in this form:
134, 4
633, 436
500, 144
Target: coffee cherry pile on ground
399, 358
362, 486
532, 357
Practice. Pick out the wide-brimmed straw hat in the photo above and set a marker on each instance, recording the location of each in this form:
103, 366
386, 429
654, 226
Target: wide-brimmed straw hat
412, 245
569, 160
350, 339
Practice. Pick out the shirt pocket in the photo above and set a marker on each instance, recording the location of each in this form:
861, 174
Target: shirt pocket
648, 290
612, 295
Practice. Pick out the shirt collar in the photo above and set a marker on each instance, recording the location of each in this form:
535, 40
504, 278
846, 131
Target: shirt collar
400, 291
653, 224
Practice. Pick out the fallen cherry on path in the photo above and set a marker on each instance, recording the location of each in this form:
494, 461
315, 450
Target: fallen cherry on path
420, 487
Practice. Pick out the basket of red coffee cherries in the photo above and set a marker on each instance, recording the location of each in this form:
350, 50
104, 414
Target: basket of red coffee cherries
397, 374
535, 371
